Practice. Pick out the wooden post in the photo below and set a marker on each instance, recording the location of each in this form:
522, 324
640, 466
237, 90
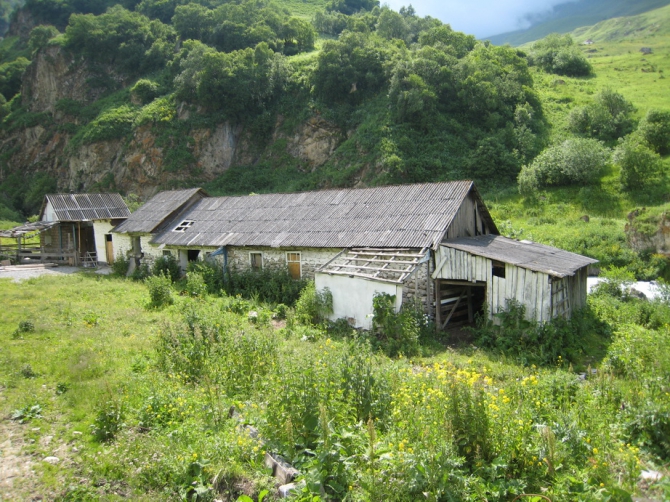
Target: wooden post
471, 317
438, 306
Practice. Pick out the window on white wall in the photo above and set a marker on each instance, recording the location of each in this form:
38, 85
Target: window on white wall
256, 261
294, 265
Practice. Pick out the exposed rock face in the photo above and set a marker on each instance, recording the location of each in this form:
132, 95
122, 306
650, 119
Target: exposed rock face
315, 141
646, 234
136, 163
53, 75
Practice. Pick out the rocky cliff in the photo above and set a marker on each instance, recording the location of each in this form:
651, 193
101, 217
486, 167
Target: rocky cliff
136, 161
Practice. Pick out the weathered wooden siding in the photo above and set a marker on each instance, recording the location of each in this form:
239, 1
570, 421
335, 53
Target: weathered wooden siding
468, 221
532, 289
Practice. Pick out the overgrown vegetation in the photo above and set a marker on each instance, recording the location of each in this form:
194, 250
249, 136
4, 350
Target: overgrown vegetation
165, 399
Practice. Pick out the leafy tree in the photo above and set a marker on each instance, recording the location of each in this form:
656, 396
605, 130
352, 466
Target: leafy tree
10, 76
163, 10
40, 36
127, 40
349, 7
350, 69
639, 165
392, 25
573, 162
443, 37
145, 90
608, 118
298, 35
654, 128
558, 54
193, 21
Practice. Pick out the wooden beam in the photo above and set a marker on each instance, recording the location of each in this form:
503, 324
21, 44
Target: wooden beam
453, 310
365, 276
438, 308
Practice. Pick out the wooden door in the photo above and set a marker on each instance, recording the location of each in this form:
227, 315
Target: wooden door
109, 248
293, 262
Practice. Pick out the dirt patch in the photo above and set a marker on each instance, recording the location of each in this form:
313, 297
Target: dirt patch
16, 468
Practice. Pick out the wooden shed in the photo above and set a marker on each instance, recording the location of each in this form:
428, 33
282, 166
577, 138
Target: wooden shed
489, 270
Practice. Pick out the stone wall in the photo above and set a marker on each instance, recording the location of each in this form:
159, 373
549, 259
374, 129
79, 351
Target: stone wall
310, 258
418, 286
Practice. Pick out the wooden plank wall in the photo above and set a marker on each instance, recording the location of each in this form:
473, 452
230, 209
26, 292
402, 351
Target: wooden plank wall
533, 289
463, 224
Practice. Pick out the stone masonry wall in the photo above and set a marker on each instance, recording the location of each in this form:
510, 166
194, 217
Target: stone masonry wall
310, 258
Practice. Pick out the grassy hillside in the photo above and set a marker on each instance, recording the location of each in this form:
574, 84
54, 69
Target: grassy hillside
568, 16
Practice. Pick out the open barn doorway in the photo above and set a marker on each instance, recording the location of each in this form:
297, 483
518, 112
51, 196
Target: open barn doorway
458, 302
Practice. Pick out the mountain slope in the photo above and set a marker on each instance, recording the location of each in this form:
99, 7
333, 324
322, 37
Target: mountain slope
570, 16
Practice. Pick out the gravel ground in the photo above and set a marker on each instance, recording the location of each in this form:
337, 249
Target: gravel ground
18, 275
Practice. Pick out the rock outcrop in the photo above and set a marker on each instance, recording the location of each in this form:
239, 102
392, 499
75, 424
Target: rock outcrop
136, 162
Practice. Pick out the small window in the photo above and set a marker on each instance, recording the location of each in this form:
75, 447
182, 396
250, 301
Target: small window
498, 269
167, 252
184, 225
108, 237
293, 262
256, 261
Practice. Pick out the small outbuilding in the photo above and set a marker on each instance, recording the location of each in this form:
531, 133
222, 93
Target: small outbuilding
73, 228
489, 270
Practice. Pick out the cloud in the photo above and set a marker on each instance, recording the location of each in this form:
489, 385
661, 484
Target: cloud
481, 18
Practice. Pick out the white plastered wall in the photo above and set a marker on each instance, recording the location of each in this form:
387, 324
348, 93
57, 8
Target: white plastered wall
352, 297
121, 243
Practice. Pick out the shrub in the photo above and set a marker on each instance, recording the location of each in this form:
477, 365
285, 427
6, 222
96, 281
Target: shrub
608, 118
24, 327
40, 36
160, 290
168, 265
109, 420
145, 90
313, 307
654, 128
638, 164
398, 332
120, 265
575, 161
211, 274
558, 54
195, 285
268, 285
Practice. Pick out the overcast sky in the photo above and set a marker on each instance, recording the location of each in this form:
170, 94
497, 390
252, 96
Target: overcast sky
481, 18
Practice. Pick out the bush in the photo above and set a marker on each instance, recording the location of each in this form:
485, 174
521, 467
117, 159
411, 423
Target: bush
313, 307
145, 90
168, 265
195, 285
108, 421
608, 118
558, 54
160, 290
120, 265
268, 285
573, 162
537, 343
639, 165
397, 332
654, 128
40, 36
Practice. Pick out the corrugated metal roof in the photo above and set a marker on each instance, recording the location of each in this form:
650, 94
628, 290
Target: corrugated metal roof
524, 254
412, 216
88, 206
157, 210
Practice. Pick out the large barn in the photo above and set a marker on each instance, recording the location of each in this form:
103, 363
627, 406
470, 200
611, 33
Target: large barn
359, 242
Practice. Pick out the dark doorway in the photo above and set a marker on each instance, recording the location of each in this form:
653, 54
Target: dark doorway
459, 302
192, 254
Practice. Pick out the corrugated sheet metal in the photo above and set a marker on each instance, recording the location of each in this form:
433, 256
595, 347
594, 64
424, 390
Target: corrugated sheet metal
86, 207
412, 216
157, 210
524, 254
